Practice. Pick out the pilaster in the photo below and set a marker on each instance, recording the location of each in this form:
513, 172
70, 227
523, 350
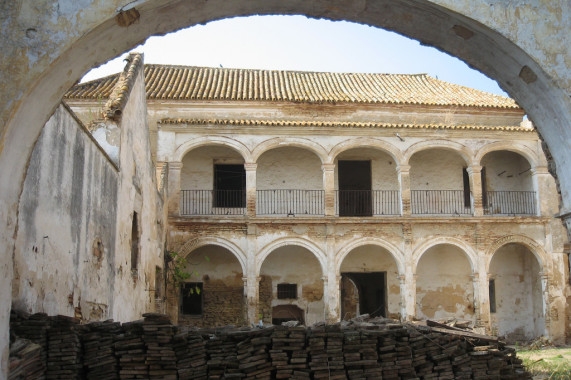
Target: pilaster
475, 176
173, 190
329, 188
250, 169
404, 182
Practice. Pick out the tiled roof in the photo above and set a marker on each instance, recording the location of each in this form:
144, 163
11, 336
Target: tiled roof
207, 83
349, 124
124, 83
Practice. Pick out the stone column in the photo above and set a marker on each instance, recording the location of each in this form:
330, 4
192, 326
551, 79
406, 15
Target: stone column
475, 175
408, 294
159, 166
329, 188
252, 288
404, 181
332, 295
173, 189
250, 169
545, 193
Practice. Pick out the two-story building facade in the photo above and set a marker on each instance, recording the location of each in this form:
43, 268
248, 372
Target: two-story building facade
321, 196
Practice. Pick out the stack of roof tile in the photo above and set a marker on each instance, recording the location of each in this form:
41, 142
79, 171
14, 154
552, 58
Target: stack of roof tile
158, 335
64, 349
289, 353
190, 350
26, 361
99, 352
130, 349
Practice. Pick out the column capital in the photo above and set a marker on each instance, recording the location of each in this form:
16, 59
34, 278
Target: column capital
328, 167
250, 166
403, 169
539, 170
474, 169
174, 165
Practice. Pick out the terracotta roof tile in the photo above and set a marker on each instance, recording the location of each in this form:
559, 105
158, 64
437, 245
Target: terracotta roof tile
347, 124
123, 85
207, 83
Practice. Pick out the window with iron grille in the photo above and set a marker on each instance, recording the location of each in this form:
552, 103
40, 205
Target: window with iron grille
287, 291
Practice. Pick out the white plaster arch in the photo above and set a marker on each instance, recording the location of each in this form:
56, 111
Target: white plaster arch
464, 152
465, 247
193, 244
191, 144
365, 142
520, 149
534, 247
281, 142
394, 251
307, 244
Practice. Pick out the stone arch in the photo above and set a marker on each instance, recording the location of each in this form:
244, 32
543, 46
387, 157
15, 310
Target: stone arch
464, 247
193, 244
309, 245
191, 144
533, 246
520, 149
279, 142
464, 152
363, 142
391, 248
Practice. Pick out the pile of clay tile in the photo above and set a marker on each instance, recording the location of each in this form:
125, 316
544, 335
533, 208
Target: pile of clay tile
365, 348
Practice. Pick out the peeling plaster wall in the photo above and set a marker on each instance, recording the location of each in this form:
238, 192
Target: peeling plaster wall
197, 171
436, 169
370, 258
383, 167
507, 171
223, 287
295, 265
289, 168
519, 300
444, 287
135, 289
65, 248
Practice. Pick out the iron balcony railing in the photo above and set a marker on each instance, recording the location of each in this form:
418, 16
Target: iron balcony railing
290, 202
510, 203
367, 202
439, 202
212, 202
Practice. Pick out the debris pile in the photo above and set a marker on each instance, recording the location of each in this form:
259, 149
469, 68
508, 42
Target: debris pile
153, 348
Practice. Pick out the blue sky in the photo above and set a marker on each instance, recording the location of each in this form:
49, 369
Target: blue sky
299, 43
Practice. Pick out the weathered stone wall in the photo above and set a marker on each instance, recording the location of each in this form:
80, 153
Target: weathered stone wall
74, 242
65, 247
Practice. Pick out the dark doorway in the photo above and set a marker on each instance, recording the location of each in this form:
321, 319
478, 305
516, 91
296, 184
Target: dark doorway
354, 188
372, 288
229, 186
285, 313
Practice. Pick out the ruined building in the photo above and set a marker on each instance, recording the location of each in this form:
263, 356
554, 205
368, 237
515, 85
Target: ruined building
314, 196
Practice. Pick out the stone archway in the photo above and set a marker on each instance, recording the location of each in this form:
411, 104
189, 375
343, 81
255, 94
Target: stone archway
40, 63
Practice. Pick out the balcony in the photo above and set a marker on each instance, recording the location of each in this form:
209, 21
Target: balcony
510, 203
290, 202
367, 202
212, 202
353, 203
439, 202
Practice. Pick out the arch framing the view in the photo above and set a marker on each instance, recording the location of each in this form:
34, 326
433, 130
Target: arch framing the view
289, 142
522, 150
533, 246
468, 251
304, 243
395, 253
462, 150
192, 144
78, 36
193, 244
364, 142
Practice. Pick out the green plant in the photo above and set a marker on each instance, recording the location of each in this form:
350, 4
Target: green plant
178, 269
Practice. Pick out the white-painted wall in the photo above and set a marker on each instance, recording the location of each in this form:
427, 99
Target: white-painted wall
507, 171
197, 171
436, 169
383, 167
